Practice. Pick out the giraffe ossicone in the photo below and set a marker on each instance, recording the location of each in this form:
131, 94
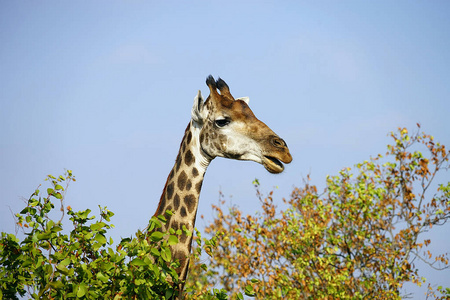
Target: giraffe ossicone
221, 126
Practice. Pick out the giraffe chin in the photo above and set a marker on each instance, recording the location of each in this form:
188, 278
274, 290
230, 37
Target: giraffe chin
272, 164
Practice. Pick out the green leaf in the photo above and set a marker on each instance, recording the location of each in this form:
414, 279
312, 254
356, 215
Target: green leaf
97, 226
169, 293
156, 236
81, 290
249, 291
56, 284
49, 225
33, 202
63, 270
162, 218
102, 277
63, 263
166, 254
100, 238
58, 187
155, 252
173, 240
43, 236
137, 262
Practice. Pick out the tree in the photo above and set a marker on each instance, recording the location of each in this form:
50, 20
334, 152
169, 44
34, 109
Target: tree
358, 239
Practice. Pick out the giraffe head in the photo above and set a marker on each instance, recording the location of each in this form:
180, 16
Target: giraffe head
228, 128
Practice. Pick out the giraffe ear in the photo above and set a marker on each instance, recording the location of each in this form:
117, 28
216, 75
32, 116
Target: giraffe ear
197, 108
245, 99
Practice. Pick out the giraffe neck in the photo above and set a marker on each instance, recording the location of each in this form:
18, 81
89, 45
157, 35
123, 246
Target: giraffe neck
181, 193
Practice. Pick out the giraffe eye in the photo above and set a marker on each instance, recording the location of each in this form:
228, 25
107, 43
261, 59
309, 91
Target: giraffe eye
222, 122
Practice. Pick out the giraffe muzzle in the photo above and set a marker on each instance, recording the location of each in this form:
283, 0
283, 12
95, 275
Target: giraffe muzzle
274, 158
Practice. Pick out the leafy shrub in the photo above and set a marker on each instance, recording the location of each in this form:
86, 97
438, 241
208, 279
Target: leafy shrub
83, 264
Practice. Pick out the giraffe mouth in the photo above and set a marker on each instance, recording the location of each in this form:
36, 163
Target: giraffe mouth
272, 164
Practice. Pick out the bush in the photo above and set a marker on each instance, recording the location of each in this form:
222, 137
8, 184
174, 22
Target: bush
83, 264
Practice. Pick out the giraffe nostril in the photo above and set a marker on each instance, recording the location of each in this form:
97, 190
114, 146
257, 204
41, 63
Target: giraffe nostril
278, 142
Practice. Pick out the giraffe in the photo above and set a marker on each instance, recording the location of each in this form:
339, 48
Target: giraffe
221, 126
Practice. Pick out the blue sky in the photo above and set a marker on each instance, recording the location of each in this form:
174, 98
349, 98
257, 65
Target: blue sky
105, 88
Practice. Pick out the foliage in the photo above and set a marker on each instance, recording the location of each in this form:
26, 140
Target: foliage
49, 264
197, 287
359, 239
